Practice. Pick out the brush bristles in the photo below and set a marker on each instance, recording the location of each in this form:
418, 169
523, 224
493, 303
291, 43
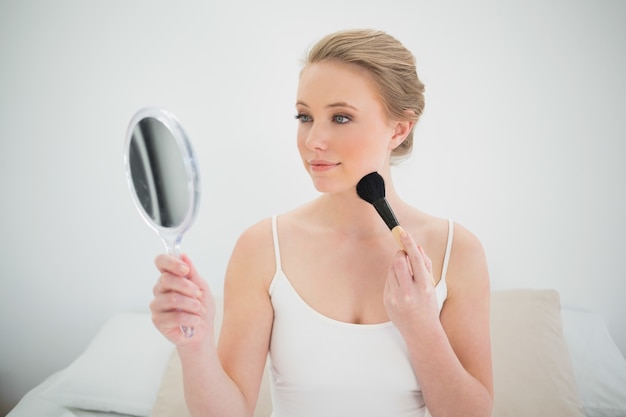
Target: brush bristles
371, 187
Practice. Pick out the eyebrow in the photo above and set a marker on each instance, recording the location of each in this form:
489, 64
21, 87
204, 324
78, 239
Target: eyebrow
331, 105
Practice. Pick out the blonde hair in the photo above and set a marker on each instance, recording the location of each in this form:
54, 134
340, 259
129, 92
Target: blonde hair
391, 67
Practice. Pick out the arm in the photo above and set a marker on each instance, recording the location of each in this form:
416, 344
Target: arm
224, 380
451, 352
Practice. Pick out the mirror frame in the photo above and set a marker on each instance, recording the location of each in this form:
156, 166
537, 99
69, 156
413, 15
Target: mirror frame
173, 235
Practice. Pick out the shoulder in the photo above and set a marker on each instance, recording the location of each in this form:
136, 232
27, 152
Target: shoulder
258, 240
258, 234
466, 248
467, 269
467, 263
253, 255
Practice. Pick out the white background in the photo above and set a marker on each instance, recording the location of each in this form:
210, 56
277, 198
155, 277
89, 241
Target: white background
522, 141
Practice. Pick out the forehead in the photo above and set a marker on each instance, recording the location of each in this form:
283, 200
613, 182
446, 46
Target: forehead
329, 82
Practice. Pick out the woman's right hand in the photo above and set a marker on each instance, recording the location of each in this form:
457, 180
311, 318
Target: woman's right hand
181, 298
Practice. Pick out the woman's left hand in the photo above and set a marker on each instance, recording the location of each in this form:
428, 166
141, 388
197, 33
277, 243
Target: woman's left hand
409, 297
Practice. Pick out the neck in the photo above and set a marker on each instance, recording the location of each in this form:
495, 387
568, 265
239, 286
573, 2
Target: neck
348, 214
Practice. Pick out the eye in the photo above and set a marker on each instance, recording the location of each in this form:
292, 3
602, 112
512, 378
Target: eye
303, 118
341, 119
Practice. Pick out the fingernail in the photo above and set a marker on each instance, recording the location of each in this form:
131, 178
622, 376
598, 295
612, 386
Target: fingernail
183, 269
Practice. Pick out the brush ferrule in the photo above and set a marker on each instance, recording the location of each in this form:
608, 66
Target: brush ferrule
383, 208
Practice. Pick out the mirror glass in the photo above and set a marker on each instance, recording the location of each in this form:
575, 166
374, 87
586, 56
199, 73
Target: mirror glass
162, 174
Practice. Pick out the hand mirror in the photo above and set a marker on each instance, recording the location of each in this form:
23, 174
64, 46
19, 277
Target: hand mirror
162, 176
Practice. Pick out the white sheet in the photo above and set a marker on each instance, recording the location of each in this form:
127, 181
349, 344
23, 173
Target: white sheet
119, 371
599, 366
34, 404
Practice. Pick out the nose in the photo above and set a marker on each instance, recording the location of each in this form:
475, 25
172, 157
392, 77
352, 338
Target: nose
316, 137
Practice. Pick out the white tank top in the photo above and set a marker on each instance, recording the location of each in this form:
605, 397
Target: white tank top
322, 367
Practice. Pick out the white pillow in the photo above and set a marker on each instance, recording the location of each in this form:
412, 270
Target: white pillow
599, 366
532, 369
120, 371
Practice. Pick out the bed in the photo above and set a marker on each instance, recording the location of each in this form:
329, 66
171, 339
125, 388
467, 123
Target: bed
548, 361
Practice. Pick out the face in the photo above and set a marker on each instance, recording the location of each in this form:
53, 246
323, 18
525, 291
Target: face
344, 132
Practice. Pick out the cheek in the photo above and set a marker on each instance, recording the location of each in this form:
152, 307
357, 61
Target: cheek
370, 149
300, 139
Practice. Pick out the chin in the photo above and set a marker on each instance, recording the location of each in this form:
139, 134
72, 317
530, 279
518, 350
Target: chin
328, 186
321, 186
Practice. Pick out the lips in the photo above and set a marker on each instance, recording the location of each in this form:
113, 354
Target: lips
322, 165
319, 162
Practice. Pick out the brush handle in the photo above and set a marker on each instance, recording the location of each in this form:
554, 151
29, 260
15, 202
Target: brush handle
397, 231
384, 210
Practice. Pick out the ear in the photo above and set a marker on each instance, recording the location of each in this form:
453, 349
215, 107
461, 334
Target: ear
401, 130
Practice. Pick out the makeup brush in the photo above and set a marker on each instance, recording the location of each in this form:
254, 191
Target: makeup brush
371, 188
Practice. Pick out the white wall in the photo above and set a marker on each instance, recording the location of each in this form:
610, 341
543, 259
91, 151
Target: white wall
522, 141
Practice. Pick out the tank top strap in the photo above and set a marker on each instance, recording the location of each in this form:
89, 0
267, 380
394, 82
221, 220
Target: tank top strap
276, 246
446, 257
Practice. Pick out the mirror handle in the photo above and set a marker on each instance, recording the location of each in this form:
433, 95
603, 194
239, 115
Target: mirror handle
172, 246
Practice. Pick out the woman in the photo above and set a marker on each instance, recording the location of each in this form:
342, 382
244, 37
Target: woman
354, 326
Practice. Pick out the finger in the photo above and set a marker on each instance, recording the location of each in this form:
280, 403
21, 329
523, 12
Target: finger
192, 271
172, 309
427, 261
410, 247
428, 266
413, 253
391, 285
171, 264
392, 278
392, 288
173, 283
420, 262
169, 322
402, 270
194, 277
178, 302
